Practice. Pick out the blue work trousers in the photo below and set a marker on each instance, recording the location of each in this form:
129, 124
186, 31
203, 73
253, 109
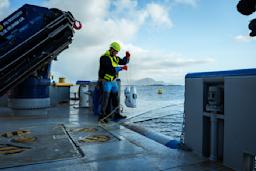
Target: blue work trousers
110, 86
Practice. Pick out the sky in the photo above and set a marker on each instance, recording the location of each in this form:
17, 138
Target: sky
166, 38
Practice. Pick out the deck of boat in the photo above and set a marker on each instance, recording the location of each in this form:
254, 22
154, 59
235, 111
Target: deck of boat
68, 138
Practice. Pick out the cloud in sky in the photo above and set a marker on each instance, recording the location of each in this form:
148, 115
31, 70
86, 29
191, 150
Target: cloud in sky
117, 20
188, 2
159, 14
106, 21
160, 65
4, 7
244, 38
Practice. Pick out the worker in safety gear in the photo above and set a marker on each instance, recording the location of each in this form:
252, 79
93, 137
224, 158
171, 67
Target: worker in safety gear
110, 66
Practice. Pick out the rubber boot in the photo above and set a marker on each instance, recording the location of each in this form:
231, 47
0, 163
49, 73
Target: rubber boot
116, 105
104, 105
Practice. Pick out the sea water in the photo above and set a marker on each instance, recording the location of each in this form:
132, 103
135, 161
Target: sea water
160, 112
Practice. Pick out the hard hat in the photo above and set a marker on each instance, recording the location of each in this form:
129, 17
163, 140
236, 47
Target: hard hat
115, 46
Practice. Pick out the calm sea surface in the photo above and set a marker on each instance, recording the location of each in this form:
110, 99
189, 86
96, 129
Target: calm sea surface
160, 112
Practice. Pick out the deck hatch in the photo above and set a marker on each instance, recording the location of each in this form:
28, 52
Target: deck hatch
90, 135
39, 146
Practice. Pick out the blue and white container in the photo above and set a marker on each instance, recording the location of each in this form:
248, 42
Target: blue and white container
220, 116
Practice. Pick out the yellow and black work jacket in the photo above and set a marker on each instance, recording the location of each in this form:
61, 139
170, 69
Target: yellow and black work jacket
108, 64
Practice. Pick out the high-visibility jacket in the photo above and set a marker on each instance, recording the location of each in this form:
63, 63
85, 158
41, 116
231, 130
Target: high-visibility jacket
108, 64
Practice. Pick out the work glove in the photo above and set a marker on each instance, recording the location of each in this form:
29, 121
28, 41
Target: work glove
124, 67
127, 55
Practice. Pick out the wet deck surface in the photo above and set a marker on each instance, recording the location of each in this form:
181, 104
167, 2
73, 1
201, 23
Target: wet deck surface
67, 138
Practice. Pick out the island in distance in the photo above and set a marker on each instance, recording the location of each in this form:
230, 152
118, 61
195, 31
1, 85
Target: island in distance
145, 82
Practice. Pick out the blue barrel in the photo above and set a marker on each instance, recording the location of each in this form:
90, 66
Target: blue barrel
31, 88
32, 93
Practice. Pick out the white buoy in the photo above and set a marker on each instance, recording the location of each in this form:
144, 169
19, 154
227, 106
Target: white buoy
130, 96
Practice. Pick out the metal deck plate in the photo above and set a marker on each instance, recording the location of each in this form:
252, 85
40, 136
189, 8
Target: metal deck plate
101, 144
90, 135
31, 145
